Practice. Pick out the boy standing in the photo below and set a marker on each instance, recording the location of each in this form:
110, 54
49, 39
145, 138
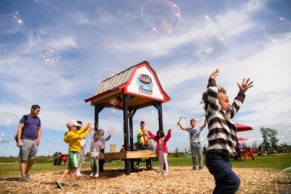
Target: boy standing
194, 143
222, 137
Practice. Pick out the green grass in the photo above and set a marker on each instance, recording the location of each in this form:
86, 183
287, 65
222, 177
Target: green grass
9, 167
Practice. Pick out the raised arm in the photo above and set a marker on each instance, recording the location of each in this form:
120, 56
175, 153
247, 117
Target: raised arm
152, 136
212, 91
169, 134
181, 127
203, 126
243, 87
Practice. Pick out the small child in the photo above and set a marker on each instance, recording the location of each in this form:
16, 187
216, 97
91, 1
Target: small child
222, 137
73, 138
102, 140
162, 149
94, 153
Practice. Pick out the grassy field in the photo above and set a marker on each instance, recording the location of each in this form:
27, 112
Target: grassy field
9, 167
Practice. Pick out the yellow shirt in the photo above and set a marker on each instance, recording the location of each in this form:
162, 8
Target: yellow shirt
73, 139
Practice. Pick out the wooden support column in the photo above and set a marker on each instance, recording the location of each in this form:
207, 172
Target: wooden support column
158, 106
131, 114
125, 131
98, 109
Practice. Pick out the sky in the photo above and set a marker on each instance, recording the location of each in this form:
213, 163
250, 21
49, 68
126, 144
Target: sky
55, 53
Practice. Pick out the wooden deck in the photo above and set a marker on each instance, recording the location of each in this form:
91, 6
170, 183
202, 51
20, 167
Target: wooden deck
141, 154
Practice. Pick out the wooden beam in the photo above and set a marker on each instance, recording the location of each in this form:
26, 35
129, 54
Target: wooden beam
142, 154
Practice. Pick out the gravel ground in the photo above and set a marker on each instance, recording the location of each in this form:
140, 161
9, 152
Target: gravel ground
179, 180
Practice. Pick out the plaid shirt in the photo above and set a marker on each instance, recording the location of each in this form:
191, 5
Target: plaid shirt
222, 131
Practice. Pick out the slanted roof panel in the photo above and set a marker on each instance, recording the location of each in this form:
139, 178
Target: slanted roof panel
114, 81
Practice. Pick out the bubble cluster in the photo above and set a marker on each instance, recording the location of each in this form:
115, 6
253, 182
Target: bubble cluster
50, 56
15, 35
278, 30
207, 34
161, 15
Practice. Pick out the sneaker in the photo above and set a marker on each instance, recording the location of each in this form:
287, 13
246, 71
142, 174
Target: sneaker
96, 175
194, 168
59, 185
91, 174
23, 179
200, 168
165, 173
28, 176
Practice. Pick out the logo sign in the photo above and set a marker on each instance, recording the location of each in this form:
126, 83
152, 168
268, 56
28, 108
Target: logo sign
145, 84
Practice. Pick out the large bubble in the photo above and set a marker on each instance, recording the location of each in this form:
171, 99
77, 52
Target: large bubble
283, 181
161, 15
50, 56
278, 30
8, 119
207, 34
14, 35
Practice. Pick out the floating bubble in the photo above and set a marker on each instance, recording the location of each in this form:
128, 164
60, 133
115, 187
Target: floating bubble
8, 119
207, 35
161, 15
278, 30
113, 43
283, 181
50, 56
14, 35
99, 11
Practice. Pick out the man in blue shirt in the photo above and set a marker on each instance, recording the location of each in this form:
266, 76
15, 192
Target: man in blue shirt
28, 138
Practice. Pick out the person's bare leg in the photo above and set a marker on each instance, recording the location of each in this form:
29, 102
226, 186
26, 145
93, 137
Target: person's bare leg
29, 165
63, 175
23, 167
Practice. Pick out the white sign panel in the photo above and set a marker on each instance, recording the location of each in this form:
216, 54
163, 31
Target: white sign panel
144, 83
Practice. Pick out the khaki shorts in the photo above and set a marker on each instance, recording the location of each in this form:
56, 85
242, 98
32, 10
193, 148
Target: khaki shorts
28, 150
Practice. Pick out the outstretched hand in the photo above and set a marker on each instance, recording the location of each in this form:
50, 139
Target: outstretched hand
245, 85
214, 74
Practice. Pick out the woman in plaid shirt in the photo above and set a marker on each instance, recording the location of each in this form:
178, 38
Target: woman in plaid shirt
222, 137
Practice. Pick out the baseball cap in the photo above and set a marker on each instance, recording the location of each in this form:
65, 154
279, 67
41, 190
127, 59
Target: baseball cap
72, 123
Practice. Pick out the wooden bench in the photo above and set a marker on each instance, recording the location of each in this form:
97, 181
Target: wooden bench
140, 154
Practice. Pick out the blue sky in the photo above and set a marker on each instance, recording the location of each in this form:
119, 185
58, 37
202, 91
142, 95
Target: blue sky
58, 52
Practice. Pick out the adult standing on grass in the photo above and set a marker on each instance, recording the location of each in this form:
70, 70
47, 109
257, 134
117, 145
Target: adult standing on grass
28, 139
222, 137
195, 145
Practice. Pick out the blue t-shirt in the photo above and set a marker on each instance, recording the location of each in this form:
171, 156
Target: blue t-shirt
31, 125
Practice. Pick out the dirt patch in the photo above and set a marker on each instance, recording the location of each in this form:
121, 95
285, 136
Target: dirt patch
179, 180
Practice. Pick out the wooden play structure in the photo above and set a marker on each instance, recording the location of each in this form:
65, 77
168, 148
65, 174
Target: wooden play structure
132, 89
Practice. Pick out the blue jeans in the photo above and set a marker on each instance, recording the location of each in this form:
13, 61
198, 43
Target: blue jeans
227, 182
196, 150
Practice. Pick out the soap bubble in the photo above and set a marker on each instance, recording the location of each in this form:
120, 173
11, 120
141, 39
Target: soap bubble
283, 181
8, 119
278, 30
161, 15
50, 147
14, 35
113, 43
207, 34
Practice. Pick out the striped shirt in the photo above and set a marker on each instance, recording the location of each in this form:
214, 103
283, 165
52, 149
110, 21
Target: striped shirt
222, 131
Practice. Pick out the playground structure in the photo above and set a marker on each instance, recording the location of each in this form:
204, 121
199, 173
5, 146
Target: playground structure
132, 89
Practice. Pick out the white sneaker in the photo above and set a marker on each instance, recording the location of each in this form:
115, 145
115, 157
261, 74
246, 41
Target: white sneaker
96, 175
92, 174
165, 173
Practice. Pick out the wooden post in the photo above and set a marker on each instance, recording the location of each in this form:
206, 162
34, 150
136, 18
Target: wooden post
98, 109
125, 131
131, 114
160, 112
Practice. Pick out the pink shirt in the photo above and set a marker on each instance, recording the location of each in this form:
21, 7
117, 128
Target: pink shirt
161, 142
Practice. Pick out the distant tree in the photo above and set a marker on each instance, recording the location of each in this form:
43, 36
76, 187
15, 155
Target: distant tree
269, 138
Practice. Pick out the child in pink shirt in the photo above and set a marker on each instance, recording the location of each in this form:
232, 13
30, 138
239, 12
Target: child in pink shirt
162, 149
